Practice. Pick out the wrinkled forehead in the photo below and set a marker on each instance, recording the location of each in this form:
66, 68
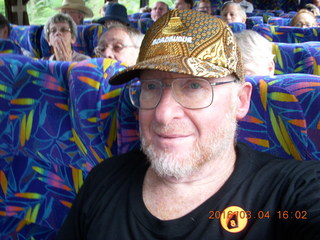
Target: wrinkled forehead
115, 35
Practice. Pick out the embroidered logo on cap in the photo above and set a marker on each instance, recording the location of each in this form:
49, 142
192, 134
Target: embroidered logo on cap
174, 26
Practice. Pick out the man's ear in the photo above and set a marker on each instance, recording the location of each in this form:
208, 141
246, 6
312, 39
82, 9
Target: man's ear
271, 68
244, 97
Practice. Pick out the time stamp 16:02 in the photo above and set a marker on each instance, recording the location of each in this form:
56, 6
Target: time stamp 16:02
259, 215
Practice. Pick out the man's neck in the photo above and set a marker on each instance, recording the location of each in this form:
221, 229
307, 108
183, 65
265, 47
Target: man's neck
169, 198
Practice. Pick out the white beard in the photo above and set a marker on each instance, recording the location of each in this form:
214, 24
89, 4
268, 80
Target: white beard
183, 164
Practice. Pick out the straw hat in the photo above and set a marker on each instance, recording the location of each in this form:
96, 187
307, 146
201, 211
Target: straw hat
77, 5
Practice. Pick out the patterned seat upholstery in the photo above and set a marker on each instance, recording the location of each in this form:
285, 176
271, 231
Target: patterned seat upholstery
8, 46
28, 37
287, 34
251, 21
57, 121
87, 40
297, 58
279, 21
283, 119
237, 27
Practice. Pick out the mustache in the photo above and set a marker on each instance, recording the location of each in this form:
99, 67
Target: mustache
171, 128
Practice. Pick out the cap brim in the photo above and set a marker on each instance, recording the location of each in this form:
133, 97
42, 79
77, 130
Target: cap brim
176, 64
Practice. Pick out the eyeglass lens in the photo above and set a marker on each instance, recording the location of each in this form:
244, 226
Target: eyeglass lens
193, 93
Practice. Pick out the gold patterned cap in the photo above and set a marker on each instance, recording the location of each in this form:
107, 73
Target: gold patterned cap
188, 42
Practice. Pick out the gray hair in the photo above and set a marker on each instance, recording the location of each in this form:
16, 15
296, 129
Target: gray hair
61, 18
254, 47
241, 10
135, 35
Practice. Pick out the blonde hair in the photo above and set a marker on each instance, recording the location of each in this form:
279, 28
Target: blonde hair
294, 20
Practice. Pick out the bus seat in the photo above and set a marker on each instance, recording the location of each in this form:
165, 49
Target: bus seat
283, 119
144, 24
27, 37
287, 34
44, 157
251, 21
237, 27
297, 57
8, 46
279, 21
87, 40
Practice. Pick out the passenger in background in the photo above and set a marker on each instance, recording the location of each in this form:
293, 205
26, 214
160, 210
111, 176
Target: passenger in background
4, 27
256, 53
304, 19
121, 43
5, 30
103, 9
159, 9
312, 8
145, 9
76, 9
248, 6
115, 13
316, 3
233, 12
204, 6
183, 4
61, 33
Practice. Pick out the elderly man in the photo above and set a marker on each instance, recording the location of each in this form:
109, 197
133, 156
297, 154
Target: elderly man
233, 12
76, 9
158, 10
190, 180
121, 43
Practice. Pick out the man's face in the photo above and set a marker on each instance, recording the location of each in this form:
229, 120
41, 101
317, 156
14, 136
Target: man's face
60, 31
76, 15
231, 14
181, 4
117, 44
204, 7
158, 10
178, 141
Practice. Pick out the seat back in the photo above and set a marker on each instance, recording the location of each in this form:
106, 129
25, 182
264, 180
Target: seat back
57, 121
237, 27
297, 57
251, 21
8, 46
279, 21
284, 116
287, 34
28, 37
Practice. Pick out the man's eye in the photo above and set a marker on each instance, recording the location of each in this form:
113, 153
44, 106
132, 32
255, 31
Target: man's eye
117, 48
194, 85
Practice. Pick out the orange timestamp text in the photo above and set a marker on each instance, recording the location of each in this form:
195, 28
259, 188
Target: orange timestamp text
259, 214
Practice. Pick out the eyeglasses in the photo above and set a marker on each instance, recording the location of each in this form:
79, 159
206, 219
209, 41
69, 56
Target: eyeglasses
304, 25
191, 93
116, 48
62, 30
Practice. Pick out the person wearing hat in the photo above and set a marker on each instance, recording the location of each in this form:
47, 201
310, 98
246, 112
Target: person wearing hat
114, 12
76, 9
191, 180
